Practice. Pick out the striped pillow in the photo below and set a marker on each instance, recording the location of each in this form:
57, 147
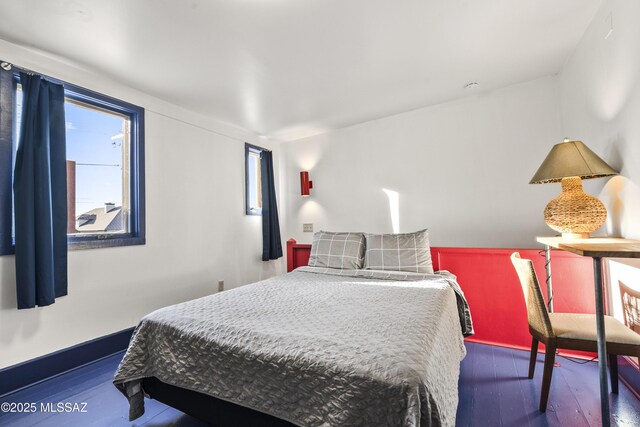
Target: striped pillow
399, 252
337, 250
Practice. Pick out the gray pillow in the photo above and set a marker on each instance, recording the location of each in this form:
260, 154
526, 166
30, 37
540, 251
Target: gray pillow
337, 250
399, 252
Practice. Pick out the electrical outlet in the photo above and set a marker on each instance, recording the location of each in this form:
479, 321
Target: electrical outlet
220, 285
307, 228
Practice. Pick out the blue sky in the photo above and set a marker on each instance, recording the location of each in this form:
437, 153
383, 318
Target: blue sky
92, 139
94, 142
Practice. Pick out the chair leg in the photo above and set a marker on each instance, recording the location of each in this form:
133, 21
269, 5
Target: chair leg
533, 357
613, 372
549, 359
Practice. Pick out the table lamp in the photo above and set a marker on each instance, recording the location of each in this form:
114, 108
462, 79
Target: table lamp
573, 213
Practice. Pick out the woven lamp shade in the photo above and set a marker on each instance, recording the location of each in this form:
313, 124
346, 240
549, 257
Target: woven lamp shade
573, 213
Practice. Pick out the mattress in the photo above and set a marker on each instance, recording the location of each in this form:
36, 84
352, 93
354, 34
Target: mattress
313, 348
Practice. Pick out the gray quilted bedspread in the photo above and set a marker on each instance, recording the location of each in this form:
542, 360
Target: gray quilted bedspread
313, 349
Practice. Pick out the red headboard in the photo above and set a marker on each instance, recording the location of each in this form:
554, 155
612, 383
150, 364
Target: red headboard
297, 254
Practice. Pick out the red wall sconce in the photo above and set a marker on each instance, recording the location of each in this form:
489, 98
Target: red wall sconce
305, 184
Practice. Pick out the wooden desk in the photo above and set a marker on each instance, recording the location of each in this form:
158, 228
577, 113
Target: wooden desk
596, 248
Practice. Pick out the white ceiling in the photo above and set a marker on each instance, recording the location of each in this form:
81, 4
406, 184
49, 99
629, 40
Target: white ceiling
291, 68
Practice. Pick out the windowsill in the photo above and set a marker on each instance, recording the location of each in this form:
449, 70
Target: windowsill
105, 243
93, 244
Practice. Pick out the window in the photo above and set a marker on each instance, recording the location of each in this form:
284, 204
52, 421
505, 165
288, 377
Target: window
253, 188
105, 166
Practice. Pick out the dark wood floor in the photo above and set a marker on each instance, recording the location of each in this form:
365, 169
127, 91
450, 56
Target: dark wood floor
493, 391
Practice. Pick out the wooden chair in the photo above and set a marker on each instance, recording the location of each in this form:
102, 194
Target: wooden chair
568, 331
630, 308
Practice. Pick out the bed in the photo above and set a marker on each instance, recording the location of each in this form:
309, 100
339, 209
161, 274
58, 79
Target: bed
314, 347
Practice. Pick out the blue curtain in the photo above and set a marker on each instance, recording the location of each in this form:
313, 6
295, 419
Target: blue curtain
40, 194
271, 243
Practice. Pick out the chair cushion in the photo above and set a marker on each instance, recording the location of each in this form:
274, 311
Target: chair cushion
583, 327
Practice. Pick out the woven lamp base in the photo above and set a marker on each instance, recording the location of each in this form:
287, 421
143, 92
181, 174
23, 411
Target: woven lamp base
575, 213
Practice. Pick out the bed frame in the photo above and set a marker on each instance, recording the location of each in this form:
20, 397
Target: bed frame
211, 410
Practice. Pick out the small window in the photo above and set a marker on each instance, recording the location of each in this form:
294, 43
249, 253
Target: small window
253, 187
105, 168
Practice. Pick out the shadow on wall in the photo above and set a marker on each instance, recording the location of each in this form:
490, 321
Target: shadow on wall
621, 196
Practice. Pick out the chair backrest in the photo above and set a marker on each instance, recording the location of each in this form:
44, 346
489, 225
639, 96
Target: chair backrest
630, 306
536, 307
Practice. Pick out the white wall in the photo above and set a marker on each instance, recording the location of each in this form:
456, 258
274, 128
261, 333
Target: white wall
600, 97
461, 169
197, 232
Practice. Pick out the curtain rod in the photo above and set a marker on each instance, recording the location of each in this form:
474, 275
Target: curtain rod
8, 66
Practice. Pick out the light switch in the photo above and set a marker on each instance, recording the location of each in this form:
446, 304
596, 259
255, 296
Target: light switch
307, 228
